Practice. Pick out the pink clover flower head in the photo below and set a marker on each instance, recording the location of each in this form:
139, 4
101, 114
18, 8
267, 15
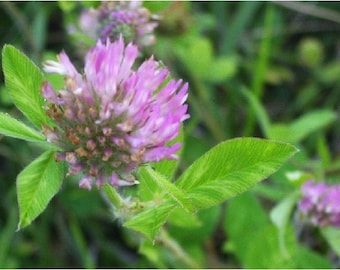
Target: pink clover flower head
320, 203
113, 18
113, 118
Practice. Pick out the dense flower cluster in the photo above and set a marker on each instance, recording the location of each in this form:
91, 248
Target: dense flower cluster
112, 118
320, 203
111, 19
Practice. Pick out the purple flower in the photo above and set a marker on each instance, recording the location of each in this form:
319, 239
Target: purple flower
111, 19
320, 203
112, 119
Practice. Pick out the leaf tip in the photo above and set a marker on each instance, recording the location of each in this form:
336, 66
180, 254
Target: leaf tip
20, 226
7, 47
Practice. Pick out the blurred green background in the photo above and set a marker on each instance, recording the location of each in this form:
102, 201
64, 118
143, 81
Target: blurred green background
263, 69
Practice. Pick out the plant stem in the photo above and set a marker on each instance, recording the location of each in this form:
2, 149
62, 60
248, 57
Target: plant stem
165, 239
79, 239
261, 67
113, 196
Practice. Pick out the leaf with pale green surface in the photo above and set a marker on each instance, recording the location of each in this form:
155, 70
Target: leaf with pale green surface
24, 80
149, 221
184, 219
36, 185
231, 168
148, 189
170, 189
225, 171
11, 127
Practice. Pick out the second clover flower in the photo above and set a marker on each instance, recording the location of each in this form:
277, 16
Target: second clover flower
112, 119
115, 18
320, 203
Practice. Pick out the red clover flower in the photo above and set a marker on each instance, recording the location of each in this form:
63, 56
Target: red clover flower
320, 203
112, 119
111, 19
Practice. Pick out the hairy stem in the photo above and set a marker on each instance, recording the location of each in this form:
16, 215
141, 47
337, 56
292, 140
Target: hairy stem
164, 239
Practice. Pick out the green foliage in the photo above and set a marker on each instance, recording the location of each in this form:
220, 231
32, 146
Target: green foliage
149, 221
200, 61
258, 109
238, 24
311, 52
6, 238
225, 171
231, 168
244, 218
9, 126
67, 6
148, 249
24, 80
280, 216
191, 232
306, 258
170, 189
303, 126
254, 69
36, 186
184, 219
332, 235
5, 98
298, 257
247, 220
292, 132
156, 6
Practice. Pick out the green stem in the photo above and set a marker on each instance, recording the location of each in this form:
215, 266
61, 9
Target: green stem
261, 66
169, 243
78, 236
6, 238
113, 196
163, 238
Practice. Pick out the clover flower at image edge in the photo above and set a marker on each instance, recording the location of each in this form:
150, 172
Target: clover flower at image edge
112, 19
320, 203
111, 119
